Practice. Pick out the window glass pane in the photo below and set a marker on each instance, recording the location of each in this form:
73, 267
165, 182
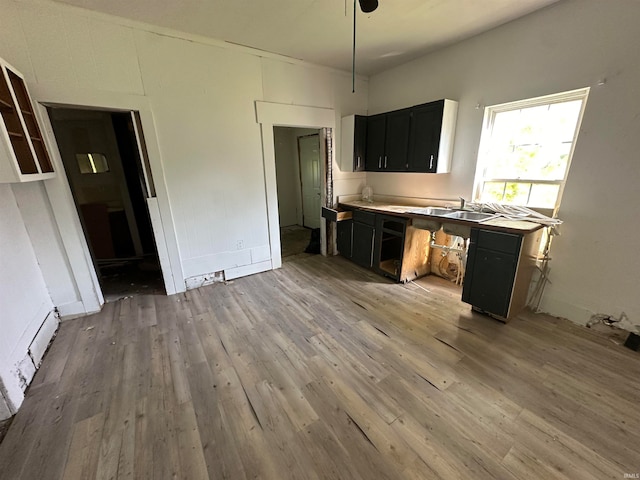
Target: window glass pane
543, 195
516, 193
492, 192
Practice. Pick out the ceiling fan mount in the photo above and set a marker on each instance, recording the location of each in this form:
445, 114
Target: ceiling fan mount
368, 6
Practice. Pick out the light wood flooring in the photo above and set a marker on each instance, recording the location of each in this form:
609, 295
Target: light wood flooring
323, 370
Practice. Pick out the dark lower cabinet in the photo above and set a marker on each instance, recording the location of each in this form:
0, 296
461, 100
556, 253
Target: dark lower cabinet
499, 270
345, 238
364, 232
493, 275
388, 244
363, 238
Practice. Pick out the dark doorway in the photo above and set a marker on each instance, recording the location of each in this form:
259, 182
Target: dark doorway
101, 158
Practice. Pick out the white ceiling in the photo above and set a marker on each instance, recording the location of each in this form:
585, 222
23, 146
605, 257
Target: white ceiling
320, 31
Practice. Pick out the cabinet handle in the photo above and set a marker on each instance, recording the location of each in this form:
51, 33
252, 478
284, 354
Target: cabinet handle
385, 161
379, 163
357, 162
431, 163
373, 246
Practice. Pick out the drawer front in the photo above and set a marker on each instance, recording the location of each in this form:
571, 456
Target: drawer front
334, 215
499, 241
367, 218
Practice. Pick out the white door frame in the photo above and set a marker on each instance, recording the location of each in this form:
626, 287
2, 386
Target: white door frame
63, 206
270, 115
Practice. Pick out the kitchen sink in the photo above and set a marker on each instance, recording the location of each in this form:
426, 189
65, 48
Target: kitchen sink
434, 211
469, 216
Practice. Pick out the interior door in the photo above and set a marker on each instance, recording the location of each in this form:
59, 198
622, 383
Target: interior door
309, 154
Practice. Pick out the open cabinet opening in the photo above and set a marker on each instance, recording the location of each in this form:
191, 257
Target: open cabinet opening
103, 159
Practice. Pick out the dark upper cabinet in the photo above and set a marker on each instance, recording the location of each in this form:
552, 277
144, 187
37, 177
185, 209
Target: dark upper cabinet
433, 128
353, 143
397, 141
388, 141
416, 139
426, 127
376, 131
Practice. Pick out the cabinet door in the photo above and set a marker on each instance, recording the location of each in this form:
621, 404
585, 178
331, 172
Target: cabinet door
493, 277
397, 141
345, 238
363, 236
359, 143
374, 156
25, 156
491, 269
426, 125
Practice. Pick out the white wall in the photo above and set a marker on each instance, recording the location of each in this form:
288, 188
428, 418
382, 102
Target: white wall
24, 299
197, 100
566, 46
202, 96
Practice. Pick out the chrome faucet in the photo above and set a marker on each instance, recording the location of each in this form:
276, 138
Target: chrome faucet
462, 203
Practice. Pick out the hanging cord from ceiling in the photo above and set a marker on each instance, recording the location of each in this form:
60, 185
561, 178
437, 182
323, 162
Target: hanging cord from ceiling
353, 51
367, 6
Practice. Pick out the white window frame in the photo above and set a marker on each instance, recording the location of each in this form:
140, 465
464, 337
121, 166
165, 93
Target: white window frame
490, 113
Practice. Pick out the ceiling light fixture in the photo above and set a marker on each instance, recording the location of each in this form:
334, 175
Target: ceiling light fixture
367, 6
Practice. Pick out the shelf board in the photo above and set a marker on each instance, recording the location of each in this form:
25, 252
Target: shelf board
6, 104
390, 266
15, 134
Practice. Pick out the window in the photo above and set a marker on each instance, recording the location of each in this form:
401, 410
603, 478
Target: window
526, 148
92, 163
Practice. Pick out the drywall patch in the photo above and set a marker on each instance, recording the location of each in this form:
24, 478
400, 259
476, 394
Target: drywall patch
24, 372
202, 280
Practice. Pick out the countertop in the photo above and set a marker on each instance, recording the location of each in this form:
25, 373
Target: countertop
500, 224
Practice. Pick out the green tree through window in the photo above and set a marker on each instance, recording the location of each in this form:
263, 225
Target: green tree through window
526, 149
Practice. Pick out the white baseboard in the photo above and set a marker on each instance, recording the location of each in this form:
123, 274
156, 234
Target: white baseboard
245, 270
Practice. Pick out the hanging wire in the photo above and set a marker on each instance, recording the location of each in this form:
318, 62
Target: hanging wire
353, 62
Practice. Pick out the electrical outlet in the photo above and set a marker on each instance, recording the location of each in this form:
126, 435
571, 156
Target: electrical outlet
239, 244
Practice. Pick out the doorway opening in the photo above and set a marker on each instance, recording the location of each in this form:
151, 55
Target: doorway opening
110, 182
299, 165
